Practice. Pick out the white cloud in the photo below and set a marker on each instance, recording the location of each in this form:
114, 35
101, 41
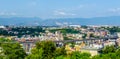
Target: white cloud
115, 10
63, 23
60, 13
63, 13
58, 23
8, 13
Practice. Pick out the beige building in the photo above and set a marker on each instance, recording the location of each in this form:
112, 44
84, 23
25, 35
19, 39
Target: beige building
118, 42
93, 52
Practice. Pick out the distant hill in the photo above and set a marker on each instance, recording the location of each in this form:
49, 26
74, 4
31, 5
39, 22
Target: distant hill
20, 21
113, 20
35, 21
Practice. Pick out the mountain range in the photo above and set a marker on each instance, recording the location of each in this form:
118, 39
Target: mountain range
36, 21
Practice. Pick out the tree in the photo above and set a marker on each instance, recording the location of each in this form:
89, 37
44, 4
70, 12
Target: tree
43, 50
66, 38
35, 54
84, 36
92, 35
60, 52
108, 49
48, 47
78, 55
4, 40
12, 51
60, 57
118, 52
109, 52
96, 57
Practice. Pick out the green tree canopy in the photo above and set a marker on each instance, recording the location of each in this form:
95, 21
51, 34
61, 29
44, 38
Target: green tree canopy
108, 49
78, 55
12, 51
43, 50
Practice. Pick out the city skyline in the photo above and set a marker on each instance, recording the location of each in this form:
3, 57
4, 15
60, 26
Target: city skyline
59, 29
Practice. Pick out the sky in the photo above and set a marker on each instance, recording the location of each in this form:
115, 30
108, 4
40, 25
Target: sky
59, 8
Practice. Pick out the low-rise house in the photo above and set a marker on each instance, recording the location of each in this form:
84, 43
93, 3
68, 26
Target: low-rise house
92, 51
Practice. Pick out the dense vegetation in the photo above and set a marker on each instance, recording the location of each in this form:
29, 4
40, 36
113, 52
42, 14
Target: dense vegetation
4, 40
66, 38
113, 29
109, 52
12, 51
19, 31
65, 30
48, 50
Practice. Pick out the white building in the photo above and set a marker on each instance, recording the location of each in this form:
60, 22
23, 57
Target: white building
2, 27
118, 34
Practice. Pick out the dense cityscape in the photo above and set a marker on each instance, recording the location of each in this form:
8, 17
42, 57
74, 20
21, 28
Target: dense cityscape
60, 42
59, 29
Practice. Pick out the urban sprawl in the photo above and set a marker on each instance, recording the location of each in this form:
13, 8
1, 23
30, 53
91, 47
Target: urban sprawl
90, 39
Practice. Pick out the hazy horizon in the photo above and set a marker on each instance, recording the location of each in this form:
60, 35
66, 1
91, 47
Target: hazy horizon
59, 9
54, 12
